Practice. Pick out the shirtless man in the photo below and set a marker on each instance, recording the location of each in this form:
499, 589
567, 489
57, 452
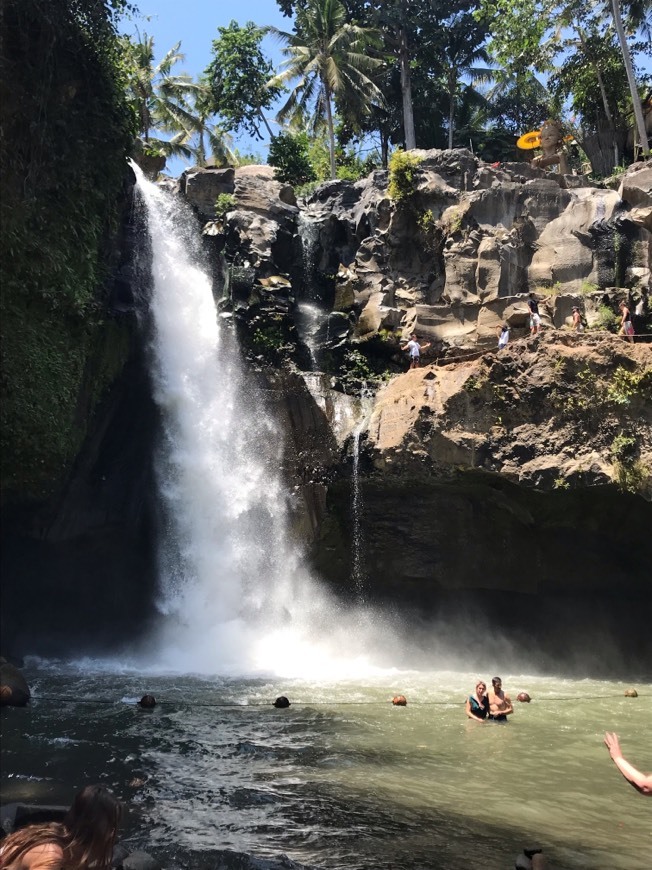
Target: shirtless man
500, 704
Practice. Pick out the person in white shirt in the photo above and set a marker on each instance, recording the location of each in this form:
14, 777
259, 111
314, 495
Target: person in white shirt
415, 349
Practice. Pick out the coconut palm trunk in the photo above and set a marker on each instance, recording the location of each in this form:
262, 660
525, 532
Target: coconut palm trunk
406, 92
627, 59
329, 59
331, 129
452, 87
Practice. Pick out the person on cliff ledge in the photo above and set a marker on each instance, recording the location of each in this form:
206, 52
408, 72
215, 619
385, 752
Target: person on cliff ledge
535, 319
626, 325
415, 349
503, 335
500, 704
577, 324
642, 782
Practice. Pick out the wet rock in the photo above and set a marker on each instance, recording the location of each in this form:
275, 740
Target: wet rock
139, 861
14, 691
201, 187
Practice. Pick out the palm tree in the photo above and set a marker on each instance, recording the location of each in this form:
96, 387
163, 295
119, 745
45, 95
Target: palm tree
219, 142
330, 59
160, 98
460, 50
627, 59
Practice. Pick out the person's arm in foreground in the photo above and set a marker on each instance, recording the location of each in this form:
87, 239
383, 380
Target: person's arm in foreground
642, 782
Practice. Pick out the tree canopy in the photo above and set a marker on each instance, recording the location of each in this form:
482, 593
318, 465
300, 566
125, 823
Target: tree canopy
238, 78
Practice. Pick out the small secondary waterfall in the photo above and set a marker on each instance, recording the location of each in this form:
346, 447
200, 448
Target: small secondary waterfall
311, 318
358, 573
235, 596
308, 231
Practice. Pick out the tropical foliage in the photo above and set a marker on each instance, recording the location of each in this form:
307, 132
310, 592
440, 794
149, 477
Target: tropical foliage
237, 78
327, 58
65, 133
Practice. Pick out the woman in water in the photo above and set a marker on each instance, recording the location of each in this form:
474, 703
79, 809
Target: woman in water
85, 839
477, 706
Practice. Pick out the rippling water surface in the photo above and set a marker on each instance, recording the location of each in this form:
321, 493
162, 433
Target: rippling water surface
342, 779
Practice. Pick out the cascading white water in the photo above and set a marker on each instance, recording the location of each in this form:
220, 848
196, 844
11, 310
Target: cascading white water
309, 320
308, 232
235, 596
357, 568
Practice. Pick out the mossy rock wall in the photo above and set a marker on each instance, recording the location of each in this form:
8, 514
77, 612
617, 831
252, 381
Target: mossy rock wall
66, 130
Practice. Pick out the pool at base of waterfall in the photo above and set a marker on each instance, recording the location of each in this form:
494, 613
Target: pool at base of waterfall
342, 778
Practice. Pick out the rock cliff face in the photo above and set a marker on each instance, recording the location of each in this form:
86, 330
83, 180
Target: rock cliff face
491, 483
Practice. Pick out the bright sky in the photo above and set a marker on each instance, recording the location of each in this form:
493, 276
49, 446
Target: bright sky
195, 23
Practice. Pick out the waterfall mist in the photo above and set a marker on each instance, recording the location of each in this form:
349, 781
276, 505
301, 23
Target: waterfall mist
235, 595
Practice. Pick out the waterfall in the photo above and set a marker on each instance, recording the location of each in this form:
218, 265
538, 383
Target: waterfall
309, 319
308, 231
235, 596
310, 314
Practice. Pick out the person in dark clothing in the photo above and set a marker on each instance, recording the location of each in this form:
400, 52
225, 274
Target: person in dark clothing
477, 705
535, 319
626, 325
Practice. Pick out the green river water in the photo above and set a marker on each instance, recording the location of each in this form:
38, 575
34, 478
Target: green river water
342, 779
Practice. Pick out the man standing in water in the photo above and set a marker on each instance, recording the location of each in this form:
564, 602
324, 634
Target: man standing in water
500, 704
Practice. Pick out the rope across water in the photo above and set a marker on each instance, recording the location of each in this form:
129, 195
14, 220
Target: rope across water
245, 706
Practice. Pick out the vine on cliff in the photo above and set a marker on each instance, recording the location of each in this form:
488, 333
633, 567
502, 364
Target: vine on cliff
65, 134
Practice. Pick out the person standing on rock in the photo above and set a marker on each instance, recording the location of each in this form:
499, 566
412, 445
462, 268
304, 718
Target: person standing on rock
503, 335
535, 319
415, 349
626, 326
578, 326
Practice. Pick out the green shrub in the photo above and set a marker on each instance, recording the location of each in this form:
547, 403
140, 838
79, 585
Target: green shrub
625, 386
623, 446
607, 320
631, 476
306, 190
223, 204
403, 169
289, 155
